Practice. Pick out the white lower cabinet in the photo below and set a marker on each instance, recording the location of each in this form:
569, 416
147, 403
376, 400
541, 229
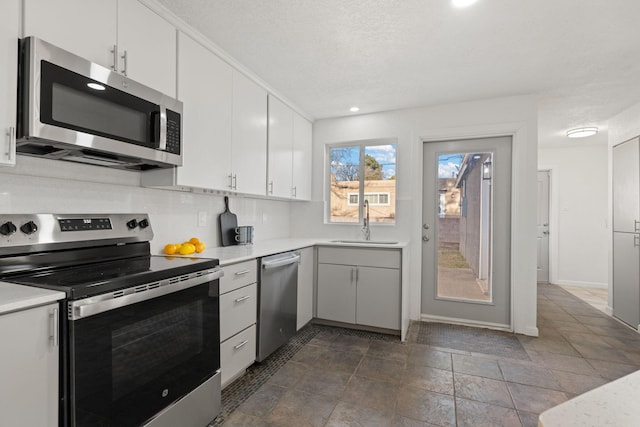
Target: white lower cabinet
305, 288
237, 354
359, 286
29, 367
238, 314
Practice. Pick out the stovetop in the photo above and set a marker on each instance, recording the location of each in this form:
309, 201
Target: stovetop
85, 255
97, 278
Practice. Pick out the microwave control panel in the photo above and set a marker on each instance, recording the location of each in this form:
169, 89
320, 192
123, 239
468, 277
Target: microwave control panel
173, 132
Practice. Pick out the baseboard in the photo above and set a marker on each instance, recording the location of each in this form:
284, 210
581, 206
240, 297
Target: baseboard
465, 322
530, 331
609, 310
579, 284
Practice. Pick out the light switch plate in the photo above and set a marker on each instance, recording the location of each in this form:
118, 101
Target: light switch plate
202, 219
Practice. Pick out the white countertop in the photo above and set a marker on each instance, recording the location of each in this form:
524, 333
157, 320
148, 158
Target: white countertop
19, 297
238, 253
613, 404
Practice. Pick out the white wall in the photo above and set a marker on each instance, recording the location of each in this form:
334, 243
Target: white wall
514, 115
578, 206
50, 186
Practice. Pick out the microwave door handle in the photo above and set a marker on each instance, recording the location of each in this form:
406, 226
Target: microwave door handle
162, 142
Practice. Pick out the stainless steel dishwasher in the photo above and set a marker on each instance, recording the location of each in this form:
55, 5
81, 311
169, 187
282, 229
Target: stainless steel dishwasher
277, 305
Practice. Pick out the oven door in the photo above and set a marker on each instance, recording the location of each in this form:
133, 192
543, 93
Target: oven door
133, 355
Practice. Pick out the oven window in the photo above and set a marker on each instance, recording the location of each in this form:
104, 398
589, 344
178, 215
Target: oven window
144, 350
130, 363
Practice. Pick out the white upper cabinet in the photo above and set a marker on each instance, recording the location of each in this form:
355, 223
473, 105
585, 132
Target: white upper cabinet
9, 33
249, 136
289, 162
123, 35
146, 47
205, 87
280, 159
84, 27
302, 146
224, 127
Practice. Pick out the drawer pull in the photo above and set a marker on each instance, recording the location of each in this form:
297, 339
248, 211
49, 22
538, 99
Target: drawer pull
240, 273
243, 298
242, 344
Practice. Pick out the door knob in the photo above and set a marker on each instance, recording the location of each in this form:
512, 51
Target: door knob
425, 238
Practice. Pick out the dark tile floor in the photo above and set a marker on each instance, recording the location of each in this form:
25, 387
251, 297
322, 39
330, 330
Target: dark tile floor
337, 377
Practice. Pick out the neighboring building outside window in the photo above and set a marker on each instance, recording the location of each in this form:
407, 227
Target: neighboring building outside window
362, 171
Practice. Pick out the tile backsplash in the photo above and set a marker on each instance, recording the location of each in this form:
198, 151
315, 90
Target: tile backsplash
49, 186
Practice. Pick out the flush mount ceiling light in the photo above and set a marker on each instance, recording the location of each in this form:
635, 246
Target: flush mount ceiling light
462, 3
354, 109
582, 132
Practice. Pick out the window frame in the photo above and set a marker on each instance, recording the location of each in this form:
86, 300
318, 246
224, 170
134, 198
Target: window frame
362, 145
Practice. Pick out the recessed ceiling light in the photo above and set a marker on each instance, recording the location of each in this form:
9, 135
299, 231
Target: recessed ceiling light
463, 3
96, 86
354, 109
582, 132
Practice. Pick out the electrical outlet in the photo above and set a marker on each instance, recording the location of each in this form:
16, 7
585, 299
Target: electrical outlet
202, 219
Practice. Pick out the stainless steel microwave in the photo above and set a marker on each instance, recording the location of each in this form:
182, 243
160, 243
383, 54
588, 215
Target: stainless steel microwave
72, 109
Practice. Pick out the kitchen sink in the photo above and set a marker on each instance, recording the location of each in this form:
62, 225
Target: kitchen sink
367, 242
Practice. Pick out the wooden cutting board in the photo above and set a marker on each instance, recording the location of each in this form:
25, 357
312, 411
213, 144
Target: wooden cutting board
228, 223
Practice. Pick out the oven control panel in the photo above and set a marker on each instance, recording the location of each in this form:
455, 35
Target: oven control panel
33, 232
85, 224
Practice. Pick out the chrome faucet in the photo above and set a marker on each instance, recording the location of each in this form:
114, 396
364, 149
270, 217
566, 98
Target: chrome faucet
366, 230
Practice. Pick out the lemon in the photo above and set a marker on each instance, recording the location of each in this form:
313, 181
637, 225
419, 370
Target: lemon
187, 248
194, 240
200, 246
170, 249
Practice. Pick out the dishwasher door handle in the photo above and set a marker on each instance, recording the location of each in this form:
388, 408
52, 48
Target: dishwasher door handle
281, 262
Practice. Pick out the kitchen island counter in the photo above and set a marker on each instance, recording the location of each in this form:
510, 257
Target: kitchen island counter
613, 404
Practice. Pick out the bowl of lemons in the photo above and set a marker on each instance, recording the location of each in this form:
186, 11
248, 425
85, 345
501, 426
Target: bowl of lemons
191, 246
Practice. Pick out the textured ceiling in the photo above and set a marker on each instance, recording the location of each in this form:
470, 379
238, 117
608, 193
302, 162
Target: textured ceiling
581, 56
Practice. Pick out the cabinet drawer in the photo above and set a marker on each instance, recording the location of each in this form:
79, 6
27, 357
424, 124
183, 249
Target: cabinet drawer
238, 275
384, 258
238, 310
237, 354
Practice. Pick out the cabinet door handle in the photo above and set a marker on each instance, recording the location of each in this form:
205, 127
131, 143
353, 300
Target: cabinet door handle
53, 322
271, 187
240, 273
242, 344
114, 53
295, 191
356, 274
636, 241
243, 298
124, 63
353, 270
11, 141
636, 226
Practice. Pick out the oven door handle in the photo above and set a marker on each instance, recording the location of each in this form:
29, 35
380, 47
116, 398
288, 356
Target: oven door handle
99, 304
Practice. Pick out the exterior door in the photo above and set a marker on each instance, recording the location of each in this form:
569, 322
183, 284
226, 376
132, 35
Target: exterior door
466, 231
543, 226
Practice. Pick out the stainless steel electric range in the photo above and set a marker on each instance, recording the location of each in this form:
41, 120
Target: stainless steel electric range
139, 333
